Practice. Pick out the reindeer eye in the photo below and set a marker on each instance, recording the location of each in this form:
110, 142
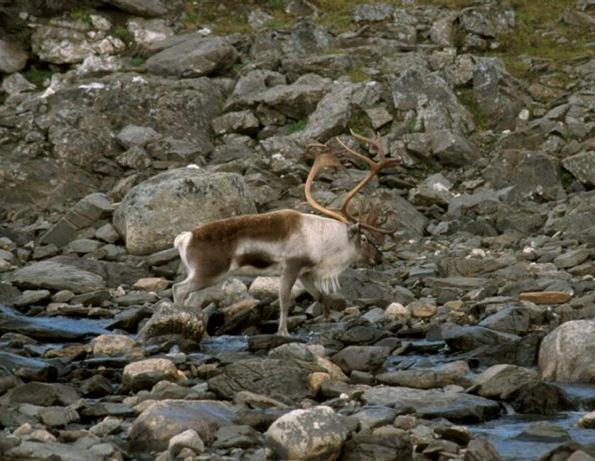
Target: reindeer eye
363, 238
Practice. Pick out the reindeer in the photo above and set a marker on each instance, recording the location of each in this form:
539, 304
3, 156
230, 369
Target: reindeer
314, 249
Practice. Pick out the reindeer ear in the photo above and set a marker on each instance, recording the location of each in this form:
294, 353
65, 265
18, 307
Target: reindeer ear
353, 230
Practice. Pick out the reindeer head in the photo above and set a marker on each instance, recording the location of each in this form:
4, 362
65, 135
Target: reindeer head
368, 252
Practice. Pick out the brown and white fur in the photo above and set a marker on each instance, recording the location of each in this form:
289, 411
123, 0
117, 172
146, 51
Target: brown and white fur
311, 248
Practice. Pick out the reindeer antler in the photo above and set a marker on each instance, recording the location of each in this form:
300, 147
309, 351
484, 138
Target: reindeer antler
325, 158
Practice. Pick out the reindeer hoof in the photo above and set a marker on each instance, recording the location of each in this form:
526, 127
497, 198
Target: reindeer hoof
283, 333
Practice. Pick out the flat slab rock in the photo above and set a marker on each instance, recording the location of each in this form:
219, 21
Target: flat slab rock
434, 403
164, 419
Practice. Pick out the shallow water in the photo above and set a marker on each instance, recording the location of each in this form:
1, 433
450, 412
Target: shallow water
502, 433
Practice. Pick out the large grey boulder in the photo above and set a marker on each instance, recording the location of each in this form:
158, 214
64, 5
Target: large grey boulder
56, 276
158, 209
435, 103
314, 434
582, 166
12, 57
162, 420
195, 56
434, 403
568, 353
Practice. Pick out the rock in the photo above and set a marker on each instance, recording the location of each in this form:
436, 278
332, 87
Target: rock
237, 436
187, 439
64, 44
43, 394
362, 358
544, 431
572, 258
16, 83
422, 309
155, 426
83, 246
158, 209
434, 189
530, 173
58, 416
146, 8
151, 284
314, 434
587, 421
371, 416
428, 378
148, 31
244, 122
193, 56
494, 91
451, 148
112, 345
52, 450
567, 353
436, 104
545, 297
396, 312
441, 30
280, 379
145, 373
434, 403
514, 319
169, 319
56, 276
28, 368
29, 297
12, 57
582, 166
132, 135
481, 450
335, 109
267, 288
540, 398
469, 337
373, 12
500, 381
385, 443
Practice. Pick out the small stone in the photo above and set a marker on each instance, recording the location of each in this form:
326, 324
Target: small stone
587, 421
5, 265
107, 233
144, 374
572, 258
83, 246
132, 135
397, 312
187, 439
29, 297
112, 345
151, 284
545, 297
316, 379
422, 309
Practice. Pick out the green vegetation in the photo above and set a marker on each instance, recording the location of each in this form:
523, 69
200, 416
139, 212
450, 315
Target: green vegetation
81, 15
125, 35
38, 76
468, 100
358, 75
541, 33
297, 126
137, 61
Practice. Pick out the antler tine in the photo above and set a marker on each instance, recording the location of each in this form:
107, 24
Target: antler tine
323, 158
374, 142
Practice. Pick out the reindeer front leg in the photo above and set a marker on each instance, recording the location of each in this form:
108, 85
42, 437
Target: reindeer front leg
289, 275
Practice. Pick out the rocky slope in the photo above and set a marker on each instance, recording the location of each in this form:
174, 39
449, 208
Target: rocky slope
123, 123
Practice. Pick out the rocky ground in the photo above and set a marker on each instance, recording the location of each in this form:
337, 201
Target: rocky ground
473, 341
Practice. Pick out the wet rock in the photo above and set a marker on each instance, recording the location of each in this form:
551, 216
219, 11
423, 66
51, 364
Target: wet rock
156, 425
145, 373
541, 398
434, 403
544, 430
500, 381
12, 57
468, 337
587, 421
155, 211
313, 434
582, 166
28, 368
428, 378
385, 443
147, 8
361, 358
513, 319
193, 56
280, 379
566, 354
481, 450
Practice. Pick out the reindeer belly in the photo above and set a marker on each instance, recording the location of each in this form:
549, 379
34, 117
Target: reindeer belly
257, 260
